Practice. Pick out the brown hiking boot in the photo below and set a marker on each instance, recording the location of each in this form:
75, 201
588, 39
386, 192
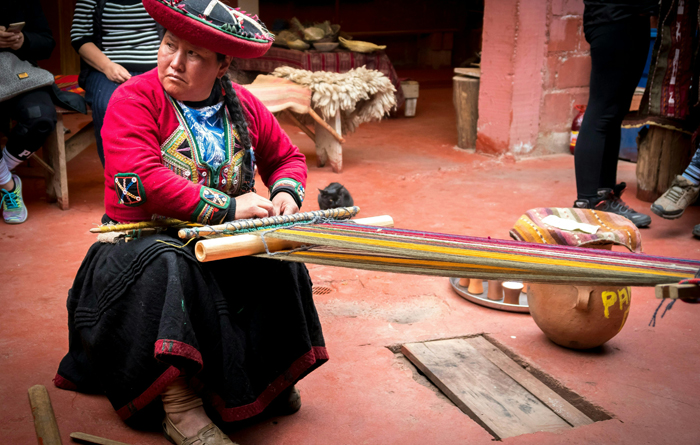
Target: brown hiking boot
676, 199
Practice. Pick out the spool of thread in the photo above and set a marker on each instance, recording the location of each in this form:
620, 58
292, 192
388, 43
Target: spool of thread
464, 282
495, 291
511, 292
476, 287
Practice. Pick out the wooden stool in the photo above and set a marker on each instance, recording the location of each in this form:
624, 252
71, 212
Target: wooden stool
663, 154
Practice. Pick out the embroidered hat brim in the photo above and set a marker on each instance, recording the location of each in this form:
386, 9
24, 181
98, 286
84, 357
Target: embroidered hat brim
212, 25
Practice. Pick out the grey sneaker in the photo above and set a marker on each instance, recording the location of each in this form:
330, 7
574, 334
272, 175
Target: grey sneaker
676, 199
696, 231
13, 209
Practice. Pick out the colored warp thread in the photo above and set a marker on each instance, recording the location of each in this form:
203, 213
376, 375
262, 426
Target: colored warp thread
426, 253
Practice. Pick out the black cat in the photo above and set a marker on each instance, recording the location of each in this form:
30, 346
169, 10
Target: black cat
334, 196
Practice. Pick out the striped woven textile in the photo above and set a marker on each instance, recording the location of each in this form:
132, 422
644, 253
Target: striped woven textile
613, 229
416, 252
278, 94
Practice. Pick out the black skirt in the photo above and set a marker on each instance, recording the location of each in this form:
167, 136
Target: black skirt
142, 312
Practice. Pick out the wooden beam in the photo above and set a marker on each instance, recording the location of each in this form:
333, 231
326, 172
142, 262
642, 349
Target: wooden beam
80, 141
301, 126
538, 389
481, 389
325, 125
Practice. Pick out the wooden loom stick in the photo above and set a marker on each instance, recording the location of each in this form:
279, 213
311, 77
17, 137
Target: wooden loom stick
44, 420
138, 225
251, 244
325, 125
678, 291
260, 223
94, 439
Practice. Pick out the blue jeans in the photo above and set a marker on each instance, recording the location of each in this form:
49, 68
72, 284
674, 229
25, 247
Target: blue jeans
98, 90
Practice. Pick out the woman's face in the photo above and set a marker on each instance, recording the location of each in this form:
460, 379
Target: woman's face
187, 72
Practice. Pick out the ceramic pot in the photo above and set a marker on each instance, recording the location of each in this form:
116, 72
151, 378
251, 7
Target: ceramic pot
579, 317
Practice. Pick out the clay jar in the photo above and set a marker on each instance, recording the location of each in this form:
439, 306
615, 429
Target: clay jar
579, 317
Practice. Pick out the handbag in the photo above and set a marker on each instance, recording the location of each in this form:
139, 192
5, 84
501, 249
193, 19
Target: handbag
19, 76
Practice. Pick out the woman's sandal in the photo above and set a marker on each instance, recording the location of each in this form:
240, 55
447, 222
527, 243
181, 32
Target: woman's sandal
209, 435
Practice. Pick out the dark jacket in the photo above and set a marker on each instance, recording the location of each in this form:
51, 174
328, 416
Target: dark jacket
38, 39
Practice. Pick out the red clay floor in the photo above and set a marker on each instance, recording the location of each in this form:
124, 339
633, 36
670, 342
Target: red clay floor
647, 377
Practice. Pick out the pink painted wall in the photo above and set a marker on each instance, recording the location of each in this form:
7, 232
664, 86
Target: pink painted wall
535, 67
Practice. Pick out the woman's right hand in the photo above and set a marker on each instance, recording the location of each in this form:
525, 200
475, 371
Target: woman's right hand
116, 73
252, 205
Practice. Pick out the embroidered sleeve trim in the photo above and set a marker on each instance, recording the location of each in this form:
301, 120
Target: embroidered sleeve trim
288, 185
129, 188
212, 208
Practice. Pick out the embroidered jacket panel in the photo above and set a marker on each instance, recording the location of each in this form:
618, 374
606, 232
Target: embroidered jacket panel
146, 140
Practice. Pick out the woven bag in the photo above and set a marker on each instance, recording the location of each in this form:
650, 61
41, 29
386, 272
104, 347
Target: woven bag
19, 76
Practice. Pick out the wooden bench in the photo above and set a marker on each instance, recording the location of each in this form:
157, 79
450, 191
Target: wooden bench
60, 147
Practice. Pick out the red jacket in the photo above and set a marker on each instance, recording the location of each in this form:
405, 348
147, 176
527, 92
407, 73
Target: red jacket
151, 165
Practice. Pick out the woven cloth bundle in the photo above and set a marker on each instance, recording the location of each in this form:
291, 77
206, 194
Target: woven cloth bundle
540, 226
361, 95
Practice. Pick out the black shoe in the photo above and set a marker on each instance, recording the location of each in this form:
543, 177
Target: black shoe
609, 200
696, 231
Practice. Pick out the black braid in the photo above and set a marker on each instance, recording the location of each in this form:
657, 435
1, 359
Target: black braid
235, 110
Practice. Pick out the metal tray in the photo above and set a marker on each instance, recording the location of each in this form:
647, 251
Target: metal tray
481, 300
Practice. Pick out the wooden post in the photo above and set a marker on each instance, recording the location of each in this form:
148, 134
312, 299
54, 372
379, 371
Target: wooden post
466, 102
55, 154
327, 146
663, 154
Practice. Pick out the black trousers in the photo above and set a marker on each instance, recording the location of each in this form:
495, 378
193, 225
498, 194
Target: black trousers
618, 54
36, 118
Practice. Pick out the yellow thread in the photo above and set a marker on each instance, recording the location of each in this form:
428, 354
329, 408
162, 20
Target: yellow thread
479, 254
175, 245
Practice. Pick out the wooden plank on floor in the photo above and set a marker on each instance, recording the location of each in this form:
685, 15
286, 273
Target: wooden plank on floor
481, 389
544, 393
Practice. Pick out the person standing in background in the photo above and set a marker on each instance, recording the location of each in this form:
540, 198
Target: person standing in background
116, 39
619, 34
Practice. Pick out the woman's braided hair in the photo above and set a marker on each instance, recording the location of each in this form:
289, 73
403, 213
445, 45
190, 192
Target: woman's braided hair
238, 119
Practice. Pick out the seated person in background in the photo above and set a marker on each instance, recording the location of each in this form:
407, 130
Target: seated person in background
117, 39
33, 111
146, 320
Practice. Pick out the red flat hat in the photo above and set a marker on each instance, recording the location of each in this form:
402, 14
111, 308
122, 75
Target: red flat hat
212, 25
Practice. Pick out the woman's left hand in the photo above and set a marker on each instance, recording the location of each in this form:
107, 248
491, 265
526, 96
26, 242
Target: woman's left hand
284, 204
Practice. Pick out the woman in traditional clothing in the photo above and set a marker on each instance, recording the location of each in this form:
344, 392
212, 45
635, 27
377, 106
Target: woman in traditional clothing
147, 322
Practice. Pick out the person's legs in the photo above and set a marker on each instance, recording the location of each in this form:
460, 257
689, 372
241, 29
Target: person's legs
684, 191
36, 119
98, 91
618, 55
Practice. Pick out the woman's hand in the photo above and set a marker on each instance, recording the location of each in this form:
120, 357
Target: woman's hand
284, 204
116, 73
252, 205
12, 40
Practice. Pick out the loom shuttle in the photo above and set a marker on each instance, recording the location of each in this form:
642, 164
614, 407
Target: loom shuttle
251, 244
